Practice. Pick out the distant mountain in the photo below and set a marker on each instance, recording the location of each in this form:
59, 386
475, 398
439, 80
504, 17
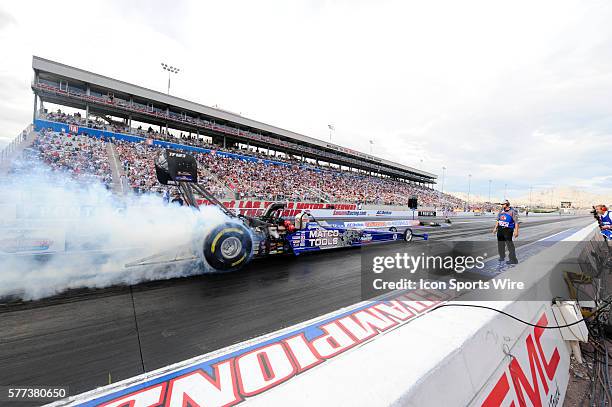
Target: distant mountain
579, 197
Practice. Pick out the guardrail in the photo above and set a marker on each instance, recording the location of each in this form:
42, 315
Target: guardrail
10, 148
227, 130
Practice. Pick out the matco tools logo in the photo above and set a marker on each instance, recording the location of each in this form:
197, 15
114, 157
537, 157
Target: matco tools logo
322, 237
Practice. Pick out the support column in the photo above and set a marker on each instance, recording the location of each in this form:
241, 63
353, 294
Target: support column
88, 93
34, 113
167, 109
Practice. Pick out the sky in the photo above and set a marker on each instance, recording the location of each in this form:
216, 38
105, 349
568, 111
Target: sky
515, 92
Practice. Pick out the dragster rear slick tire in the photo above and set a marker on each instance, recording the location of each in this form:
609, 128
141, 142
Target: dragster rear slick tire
228, 247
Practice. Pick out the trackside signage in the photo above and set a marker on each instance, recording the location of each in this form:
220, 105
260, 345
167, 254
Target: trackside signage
535, 372
243, 371
319, 210
257, 208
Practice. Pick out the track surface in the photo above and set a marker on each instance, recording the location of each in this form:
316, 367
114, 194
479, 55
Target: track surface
84, 339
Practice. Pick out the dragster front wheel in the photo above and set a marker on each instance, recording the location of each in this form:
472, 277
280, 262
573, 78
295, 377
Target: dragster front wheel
228, 247
408, 235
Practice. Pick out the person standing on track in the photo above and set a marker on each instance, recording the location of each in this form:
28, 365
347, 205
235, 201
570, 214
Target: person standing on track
605, 220
507, 227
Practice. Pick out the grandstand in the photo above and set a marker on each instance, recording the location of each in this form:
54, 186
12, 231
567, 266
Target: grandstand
239, 158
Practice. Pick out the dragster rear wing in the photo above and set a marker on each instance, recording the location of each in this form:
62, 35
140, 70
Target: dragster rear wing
175, 167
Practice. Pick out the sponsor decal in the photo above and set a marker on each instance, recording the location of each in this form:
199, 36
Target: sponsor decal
366, 237
532, 376
73, 128
349, 213
503, 221
323, 237
234, 377
380, 224
381, 213
427, 213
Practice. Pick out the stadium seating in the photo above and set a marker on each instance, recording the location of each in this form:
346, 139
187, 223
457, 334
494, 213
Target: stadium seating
83, 158
280, 178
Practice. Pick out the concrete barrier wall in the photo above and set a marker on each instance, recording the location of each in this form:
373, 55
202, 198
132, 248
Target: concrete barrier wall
416, 356
458, 356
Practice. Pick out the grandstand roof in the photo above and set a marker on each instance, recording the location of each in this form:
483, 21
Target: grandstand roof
47, 71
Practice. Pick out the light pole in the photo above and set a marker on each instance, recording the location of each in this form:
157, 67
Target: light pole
443, 176
442, 200
469, 189
371, 146
171, 70
552, 196
331, 128
490, 190
530, 192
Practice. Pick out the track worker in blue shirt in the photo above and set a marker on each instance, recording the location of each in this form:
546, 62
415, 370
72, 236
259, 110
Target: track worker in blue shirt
507, 227
605, 221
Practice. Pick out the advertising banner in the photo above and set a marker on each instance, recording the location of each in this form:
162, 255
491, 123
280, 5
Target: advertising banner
32, 241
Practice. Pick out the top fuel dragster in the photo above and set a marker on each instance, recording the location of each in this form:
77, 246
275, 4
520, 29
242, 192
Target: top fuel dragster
234, 243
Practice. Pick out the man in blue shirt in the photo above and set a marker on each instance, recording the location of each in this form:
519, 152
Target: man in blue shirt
507, 227
605, 221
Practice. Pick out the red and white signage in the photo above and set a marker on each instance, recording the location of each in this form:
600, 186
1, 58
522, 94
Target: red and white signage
256, 208
534, 373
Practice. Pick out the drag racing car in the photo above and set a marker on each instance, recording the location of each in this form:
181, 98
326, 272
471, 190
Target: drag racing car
234, 243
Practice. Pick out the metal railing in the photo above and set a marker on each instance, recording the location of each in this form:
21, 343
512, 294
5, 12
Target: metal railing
245, 135
11, 147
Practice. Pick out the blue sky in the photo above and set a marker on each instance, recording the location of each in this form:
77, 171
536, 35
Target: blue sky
516, 92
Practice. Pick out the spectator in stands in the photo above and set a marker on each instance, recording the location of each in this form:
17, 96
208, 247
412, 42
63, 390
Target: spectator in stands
247, 176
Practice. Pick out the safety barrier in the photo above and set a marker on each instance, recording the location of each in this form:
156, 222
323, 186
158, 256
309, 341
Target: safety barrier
448, 357
12, 148
460, 356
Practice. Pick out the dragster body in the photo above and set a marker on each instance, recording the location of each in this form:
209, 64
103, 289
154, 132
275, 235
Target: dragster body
234, 243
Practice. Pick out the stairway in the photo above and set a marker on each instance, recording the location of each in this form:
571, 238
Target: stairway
322, 196
229, 193
118, 186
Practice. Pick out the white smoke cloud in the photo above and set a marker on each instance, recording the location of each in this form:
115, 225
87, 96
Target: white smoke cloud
102, 234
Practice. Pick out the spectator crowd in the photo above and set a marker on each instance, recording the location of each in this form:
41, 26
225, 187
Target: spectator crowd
84, 158
243, 175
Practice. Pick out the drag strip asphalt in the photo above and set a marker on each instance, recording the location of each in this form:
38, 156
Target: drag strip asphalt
87, 338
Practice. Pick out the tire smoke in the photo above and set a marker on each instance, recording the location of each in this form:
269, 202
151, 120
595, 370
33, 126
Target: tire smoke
57, 234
